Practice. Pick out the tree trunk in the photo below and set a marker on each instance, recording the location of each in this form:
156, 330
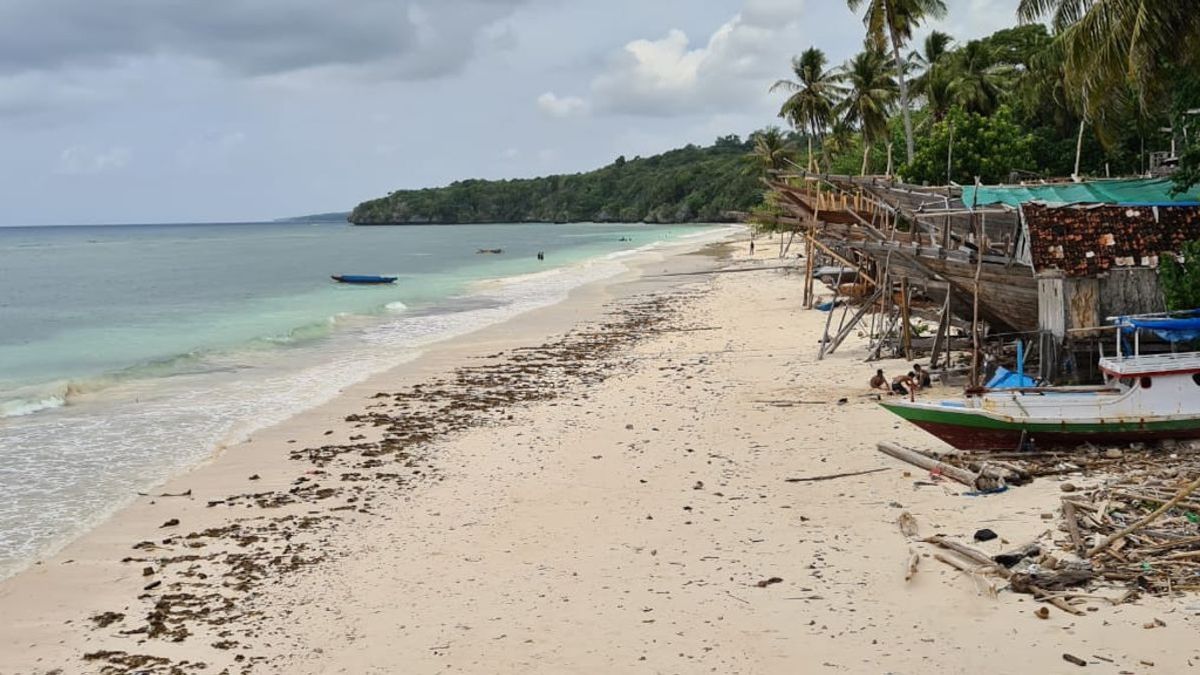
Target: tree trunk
1078, 149
810, 151
904, 103
866, 156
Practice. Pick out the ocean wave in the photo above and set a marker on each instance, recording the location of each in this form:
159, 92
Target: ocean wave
35, 398
20, 407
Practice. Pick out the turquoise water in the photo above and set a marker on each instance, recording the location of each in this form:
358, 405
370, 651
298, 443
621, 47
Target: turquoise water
128, 353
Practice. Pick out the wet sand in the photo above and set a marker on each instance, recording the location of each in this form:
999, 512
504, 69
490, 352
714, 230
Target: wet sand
598, 487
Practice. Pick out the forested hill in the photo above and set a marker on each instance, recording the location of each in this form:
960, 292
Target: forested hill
691, 184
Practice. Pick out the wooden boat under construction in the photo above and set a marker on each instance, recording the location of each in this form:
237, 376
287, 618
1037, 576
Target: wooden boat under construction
926, 237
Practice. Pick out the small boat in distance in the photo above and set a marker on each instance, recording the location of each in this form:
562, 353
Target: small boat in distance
489, 251
363, 279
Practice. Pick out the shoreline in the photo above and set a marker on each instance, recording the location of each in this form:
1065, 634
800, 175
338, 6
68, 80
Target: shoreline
570, 276
605, 487
104, 543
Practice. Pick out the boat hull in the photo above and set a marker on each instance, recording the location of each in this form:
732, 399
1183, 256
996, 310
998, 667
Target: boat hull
967, 429
361, 280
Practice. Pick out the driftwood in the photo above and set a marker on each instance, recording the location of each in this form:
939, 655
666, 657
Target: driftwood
929, 464
1057, 580
1058, 601
1068, 509
833, 476
914, 560
1109, 541
976, 573
975, 555
1011, 558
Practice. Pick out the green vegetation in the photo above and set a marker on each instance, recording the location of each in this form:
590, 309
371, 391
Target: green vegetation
1181, 280
815, 93
987, 147
692, 184
1107, 85
893, 21
1097, 93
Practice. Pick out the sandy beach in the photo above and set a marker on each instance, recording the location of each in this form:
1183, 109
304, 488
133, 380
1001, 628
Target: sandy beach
599, 486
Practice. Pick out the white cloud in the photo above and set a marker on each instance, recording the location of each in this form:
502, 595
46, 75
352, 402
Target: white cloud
565, 106
669, 75
83, 160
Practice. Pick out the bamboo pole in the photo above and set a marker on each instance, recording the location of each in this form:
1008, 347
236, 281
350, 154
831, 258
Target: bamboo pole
917, 459
845, 332
812, 238
943, 334
905, 318
975, 346
808, 265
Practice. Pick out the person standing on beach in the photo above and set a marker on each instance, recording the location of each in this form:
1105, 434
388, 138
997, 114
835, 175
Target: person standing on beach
751, 247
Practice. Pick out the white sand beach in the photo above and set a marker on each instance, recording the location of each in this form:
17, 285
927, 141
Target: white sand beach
627, 511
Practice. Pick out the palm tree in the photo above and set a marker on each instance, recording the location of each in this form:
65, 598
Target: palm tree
838, 141
771, 152
933, 82
1109, 44
896, 20
978, 81
815, 94
869, 101
935, 48
938, 91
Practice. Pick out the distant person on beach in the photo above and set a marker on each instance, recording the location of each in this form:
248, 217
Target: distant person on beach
924, 381
880, 381
903, 384
541, 255
751, 247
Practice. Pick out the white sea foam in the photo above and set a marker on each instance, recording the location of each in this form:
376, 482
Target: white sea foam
19, 407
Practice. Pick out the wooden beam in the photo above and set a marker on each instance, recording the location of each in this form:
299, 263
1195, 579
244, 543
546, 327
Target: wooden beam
845, 332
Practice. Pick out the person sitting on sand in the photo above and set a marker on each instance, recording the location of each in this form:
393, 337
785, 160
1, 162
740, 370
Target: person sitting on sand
924, 381
880, 381
903, 384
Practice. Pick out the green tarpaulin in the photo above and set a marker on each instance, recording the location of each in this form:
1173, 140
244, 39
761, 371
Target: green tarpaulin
1140, 191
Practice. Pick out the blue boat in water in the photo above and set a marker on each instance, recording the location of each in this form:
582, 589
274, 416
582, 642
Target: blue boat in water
363, 279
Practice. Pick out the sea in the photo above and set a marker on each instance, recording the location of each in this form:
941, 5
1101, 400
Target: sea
130, 353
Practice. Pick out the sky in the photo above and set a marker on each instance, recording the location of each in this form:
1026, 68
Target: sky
150, 111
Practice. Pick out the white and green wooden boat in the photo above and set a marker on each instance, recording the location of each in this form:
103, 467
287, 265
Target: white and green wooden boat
1144, 398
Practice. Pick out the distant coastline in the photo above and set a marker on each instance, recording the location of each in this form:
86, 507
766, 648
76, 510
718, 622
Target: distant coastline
334, 217
688, 185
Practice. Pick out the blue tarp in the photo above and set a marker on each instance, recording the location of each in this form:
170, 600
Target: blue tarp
1140, 192
1007, 379
1171, 330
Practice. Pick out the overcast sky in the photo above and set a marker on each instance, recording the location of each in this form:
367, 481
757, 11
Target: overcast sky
120, 111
